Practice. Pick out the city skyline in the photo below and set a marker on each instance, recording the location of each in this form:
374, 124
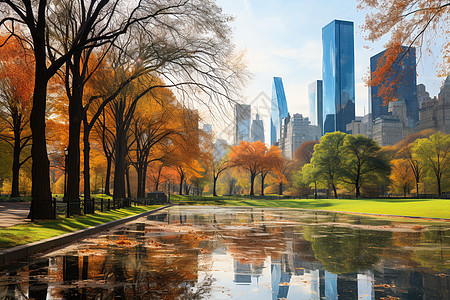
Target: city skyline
285, 41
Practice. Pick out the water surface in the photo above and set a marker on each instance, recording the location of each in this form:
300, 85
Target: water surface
244, 253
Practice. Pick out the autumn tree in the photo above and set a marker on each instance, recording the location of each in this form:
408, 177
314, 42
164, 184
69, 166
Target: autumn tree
361, 162
327, 158
16, 92
404, 151
32, 23
434, 154
285, 168
154, 122
402, 177
196, 41
250, 157
304, 152
409, 23
271, 161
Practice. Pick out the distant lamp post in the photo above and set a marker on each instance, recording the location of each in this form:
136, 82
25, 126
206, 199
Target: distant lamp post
66, 153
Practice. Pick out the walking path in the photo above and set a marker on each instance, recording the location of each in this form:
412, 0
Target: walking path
12, 213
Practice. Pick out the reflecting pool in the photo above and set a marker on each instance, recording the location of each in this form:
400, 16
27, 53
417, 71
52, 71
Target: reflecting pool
244, 253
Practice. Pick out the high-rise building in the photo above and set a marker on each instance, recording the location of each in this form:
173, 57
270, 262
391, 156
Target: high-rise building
338, 75
279, 109
315, 95
422, 94
257, 130
296, 130
242, 116
435, 113
405, 85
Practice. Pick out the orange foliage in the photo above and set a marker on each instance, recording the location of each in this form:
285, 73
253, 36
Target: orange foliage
410, 23
304, 152
402, 177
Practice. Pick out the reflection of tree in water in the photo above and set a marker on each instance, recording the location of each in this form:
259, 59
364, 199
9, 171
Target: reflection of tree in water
434, 251
254, 244
117, 268
344, 250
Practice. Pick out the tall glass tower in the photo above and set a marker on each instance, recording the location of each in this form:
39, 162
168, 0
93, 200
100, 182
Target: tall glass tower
279, 109
315, 96
338, 74
405, 88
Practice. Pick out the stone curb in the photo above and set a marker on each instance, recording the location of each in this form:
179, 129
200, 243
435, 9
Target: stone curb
25, 251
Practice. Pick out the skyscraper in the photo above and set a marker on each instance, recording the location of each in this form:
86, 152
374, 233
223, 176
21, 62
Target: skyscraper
257, 130
315, 95
242, 115
279, 109
405, 86
338, 74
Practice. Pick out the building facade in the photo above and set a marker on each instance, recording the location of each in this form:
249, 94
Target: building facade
315, 96
242, 117
422, 95
435, 112
404, 84
279, 109
296, 130
257, 130
338, 75
387, 130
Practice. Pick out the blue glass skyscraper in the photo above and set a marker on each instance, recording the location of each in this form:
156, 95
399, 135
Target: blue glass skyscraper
338, 75
279, 109
405, 86
315, 96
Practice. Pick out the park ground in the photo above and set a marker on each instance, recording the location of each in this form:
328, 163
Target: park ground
425, 208
30, 232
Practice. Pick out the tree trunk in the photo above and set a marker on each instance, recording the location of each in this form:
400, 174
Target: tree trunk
262, 184
73, 164
119, 166
335, 191
127, 176
139, 181
439, 185
144, 179
86, 166
16, 156
214, 185
280, 188
357, 190
108, 175
181, 184
41, 203
73, 157
252, 181
417, 188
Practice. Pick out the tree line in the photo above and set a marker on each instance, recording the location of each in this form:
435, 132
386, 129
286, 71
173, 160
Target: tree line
86, 57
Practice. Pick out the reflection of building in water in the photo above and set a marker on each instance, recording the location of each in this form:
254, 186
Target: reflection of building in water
243, 272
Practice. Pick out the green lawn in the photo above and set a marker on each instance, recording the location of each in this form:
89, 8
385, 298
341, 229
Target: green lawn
27, 233
428, 208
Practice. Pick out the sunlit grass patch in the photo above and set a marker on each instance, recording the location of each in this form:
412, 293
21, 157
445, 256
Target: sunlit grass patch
27, 233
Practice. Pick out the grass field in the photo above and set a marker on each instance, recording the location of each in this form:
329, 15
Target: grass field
427, 208
27, 233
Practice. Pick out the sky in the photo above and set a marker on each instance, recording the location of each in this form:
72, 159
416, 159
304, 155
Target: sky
283, 38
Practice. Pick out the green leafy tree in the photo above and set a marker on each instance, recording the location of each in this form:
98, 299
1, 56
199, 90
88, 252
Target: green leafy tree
434, 153
326, 158
361, 162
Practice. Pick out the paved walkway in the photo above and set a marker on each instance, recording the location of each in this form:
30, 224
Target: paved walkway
12, 213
